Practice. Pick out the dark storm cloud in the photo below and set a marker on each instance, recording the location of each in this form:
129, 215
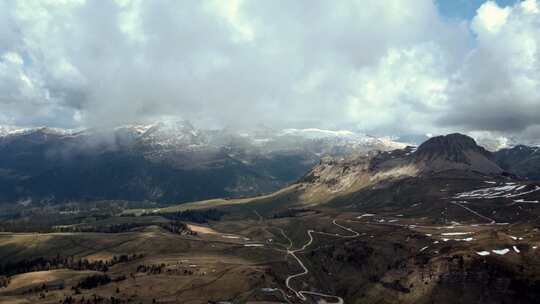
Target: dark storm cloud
488, 119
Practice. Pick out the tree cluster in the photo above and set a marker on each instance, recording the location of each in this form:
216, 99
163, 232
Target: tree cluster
292, 212
43, 263
195, 216
95, 299
93, 281
161, 268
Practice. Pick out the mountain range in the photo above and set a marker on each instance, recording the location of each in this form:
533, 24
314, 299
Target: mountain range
164, 162
454, 156
173, 162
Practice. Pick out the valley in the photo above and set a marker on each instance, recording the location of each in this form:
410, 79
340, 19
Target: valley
293, 260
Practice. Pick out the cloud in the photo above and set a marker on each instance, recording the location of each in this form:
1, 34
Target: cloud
490, 18
498, 86
382, 66
381, 96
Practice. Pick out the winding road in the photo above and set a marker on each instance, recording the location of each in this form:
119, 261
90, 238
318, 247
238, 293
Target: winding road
301, 293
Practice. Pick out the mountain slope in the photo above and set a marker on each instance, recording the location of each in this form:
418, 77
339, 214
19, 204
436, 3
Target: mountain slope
454, 155
455, 158
54, 170
447, 179
521, 160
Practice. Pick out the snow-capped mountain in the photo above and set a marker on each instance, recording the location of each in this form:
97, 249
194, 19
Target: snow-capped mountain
10, 131
7, 130
182, 135
165, 161
314, 133
348, 138
169, 161
171, 136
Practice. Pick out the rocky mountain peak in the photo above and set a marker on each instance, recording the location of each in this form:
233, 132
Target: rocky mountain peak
452, 147
455, 152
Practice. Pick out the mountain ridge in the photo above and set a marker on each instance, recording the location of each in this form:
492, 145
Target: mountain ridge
454, 154
166, 162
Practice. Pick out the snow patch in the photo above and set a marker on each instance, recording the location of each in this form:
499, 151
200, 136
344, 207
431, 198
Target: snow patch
509, 190
501, 251
525, 201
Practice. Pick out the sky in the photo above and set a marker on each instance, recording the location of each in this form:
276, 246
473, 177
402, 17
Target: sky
377, 66
465, 9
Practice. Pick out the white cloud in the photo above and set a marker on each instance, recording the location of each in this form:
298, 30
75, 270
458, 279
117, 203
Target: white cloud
530, 6
16, 84
408, 85
491, 141
490, 18
231, 12
13, 58
388, 66
498, 86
